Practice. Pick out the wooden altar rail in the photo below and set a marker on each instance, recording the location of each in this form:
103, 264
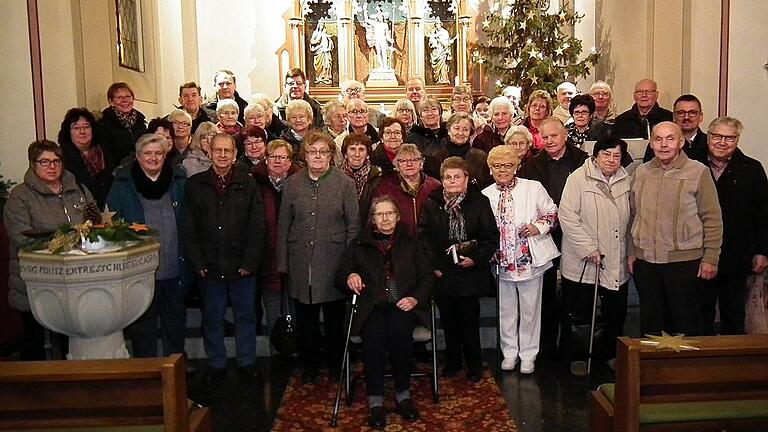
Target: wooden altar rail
148, 394
721, 386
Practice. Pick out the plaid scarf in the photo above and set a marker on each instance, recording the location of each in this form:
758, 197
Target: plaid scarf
456, 224
359, 175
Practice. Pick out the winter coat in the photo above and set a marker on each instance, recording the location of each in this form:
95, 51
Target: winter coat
594, 216
195, 161
410, 207
364, 201
224, 234
125, 200
427, 140
487, 139
480, 225
630, 124
317, 221
271, 279
32, 206
536, 169
477, 161
380, 158
119, 141
100, 183
241, 103
317, 112
410, 266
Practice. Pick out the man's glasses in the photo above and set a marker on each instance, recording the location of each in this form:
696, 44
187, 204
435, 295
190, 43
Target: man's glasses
683, 113
730, 139
278, 158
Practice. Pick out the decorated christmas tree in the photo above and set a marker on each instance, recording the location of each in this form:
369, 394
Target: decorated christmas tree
528, 47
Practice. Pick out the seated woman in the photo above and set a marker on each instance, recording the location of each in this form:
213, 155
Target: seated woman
390, 273
83, 156
198, 159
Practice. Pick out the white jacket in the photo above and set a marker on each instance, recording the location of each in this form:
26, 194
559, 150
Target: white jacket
595, 216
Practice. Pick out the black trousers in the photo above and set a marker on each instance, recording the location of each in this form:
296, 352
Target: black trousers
550, 312
730, 293
387, 330
669, 297
32, 339
311, 341
460, 317
577, 303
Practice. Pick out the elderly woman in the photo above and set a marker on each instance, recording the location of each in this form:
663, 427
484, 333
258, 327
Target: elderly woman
198, 158
273, 125
319, 216
388, 270
406, 113
501, 113
520, 139
83, 156
523, 211
48, 198
150, 191
408, 186
120, 124
392, 134
271, 177
255, 115
181, 122
461, 101
594, 215
300, 117
334, 117
228, 111
456, 215
360, 168
584, 127
601, 93
254, 141
480, 113
460, 128
429, 133
539, 107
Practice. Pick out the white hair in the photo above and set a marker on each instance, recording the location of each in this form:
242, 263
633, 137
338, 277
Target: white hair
500, 102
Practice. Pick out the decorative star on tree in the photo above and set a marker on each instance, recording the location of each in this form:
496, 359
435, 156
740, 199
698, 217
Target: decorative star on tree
665, 341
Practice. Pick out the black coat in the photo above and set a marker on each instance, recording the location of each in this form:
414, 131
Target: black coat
536, 169
241, 103
118, 140
742, 190
413, 274
227, 233
630, 124
427, 140
100, 183
480, 225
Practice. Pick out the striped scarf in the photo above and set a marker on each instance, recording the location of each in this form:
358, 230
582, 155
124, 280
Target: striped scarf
456, 224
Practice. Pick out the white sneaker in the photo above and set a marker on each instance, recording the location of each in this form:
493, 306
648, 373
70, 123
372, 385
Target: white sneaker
527, 367
508, 364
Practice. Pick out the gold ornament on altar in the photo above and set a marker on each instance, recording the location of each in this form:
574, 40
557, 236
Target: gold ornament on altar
676, 343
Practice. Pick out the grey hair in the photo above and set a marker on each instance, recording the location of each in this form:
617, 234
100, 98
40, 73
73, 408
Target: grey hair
152, 138
518, 130
227, 103
254, 106
179, 112
500, 102
299, 105
329, 107
728, 121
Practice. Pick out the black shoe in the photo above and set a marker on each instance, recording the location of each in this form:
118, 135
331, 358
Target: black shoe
449, 372
247, 373
407, 410
309, 375
474, 376
215, 376
377, 418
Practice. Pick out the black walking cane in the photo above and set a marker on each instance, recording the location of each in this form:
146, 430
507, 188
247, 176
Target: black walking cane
594, 312
335, 415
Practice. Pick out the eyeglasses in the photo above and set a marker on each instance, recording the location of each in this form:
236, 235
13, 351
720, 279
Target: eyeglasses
358, 111
252, 141
207, 137
730, 139
536, 106
45, 163
502, 165
518, 144
278, 158
392, 133
644, 92
409, 161
404, 111
80, 128
601, 94
580, 112
462, 99
294, 84
314, 152
385, 214
182, 124
353, 90
683, 113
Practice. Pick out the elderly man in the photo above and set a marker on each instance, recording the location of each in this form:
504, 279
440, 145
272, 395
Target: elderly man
601, 93
415, 91
225, 85
646, 113
224, 238
565, 92
192, 102
357, 114
677, 229
295, 88
355, 89
551, 167
742, 190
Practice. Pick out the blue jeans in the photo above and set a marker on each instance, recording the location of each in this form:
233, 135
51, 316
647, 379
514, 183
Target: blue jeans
241, 293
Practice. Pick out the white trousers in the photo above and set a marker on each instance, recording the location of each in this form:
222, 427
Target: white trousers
520, 332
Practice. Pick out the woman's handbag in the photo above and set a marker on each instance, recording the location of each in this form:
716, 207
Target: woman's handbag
284, 337
543, 249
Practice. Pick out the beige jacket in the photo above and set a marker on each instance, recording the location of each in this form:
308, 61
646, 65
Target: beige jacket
676, 213
594, 215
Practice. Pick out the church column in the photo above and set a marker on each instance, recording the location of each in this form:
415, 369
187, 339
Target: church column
346, 41
416, 38
462, 48
297, 42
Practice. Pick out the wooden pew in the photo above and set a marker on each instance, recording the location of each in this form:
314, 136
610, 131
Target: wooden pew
146, 394
722, 386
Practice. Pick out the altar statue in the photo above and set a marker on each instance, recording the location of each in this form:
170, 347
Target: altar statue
379, 36
321, 45
440, 43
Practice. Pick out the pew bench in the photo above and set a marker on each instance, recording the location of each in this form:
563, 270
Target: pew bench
131, 395
723, 386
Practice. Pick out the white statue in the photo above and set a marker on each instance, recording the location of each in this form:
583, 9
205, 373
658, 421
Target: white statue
379, 36
322, 45
440, 43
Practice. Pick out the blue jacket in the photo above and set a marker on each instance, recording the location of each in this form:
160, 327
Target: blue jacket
123, 198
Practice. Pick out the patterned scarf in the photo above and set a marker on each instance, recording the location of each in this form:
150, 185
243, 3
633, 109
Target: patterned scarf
413, 192
230, 130
505, 219
94, 160
127, 120
456, 225
359, 175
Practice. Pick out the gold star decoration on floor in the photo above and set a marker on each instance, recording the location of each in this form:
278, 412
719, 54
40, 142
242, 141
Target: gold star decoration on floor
676, 343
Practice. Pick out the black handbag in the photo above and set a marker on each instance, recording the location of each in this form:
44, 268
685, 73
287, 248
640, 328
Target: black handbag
284, 337
580, 321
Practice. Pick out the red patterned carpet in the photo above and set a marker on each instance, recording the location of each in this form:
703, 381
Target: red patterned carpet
463, 407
